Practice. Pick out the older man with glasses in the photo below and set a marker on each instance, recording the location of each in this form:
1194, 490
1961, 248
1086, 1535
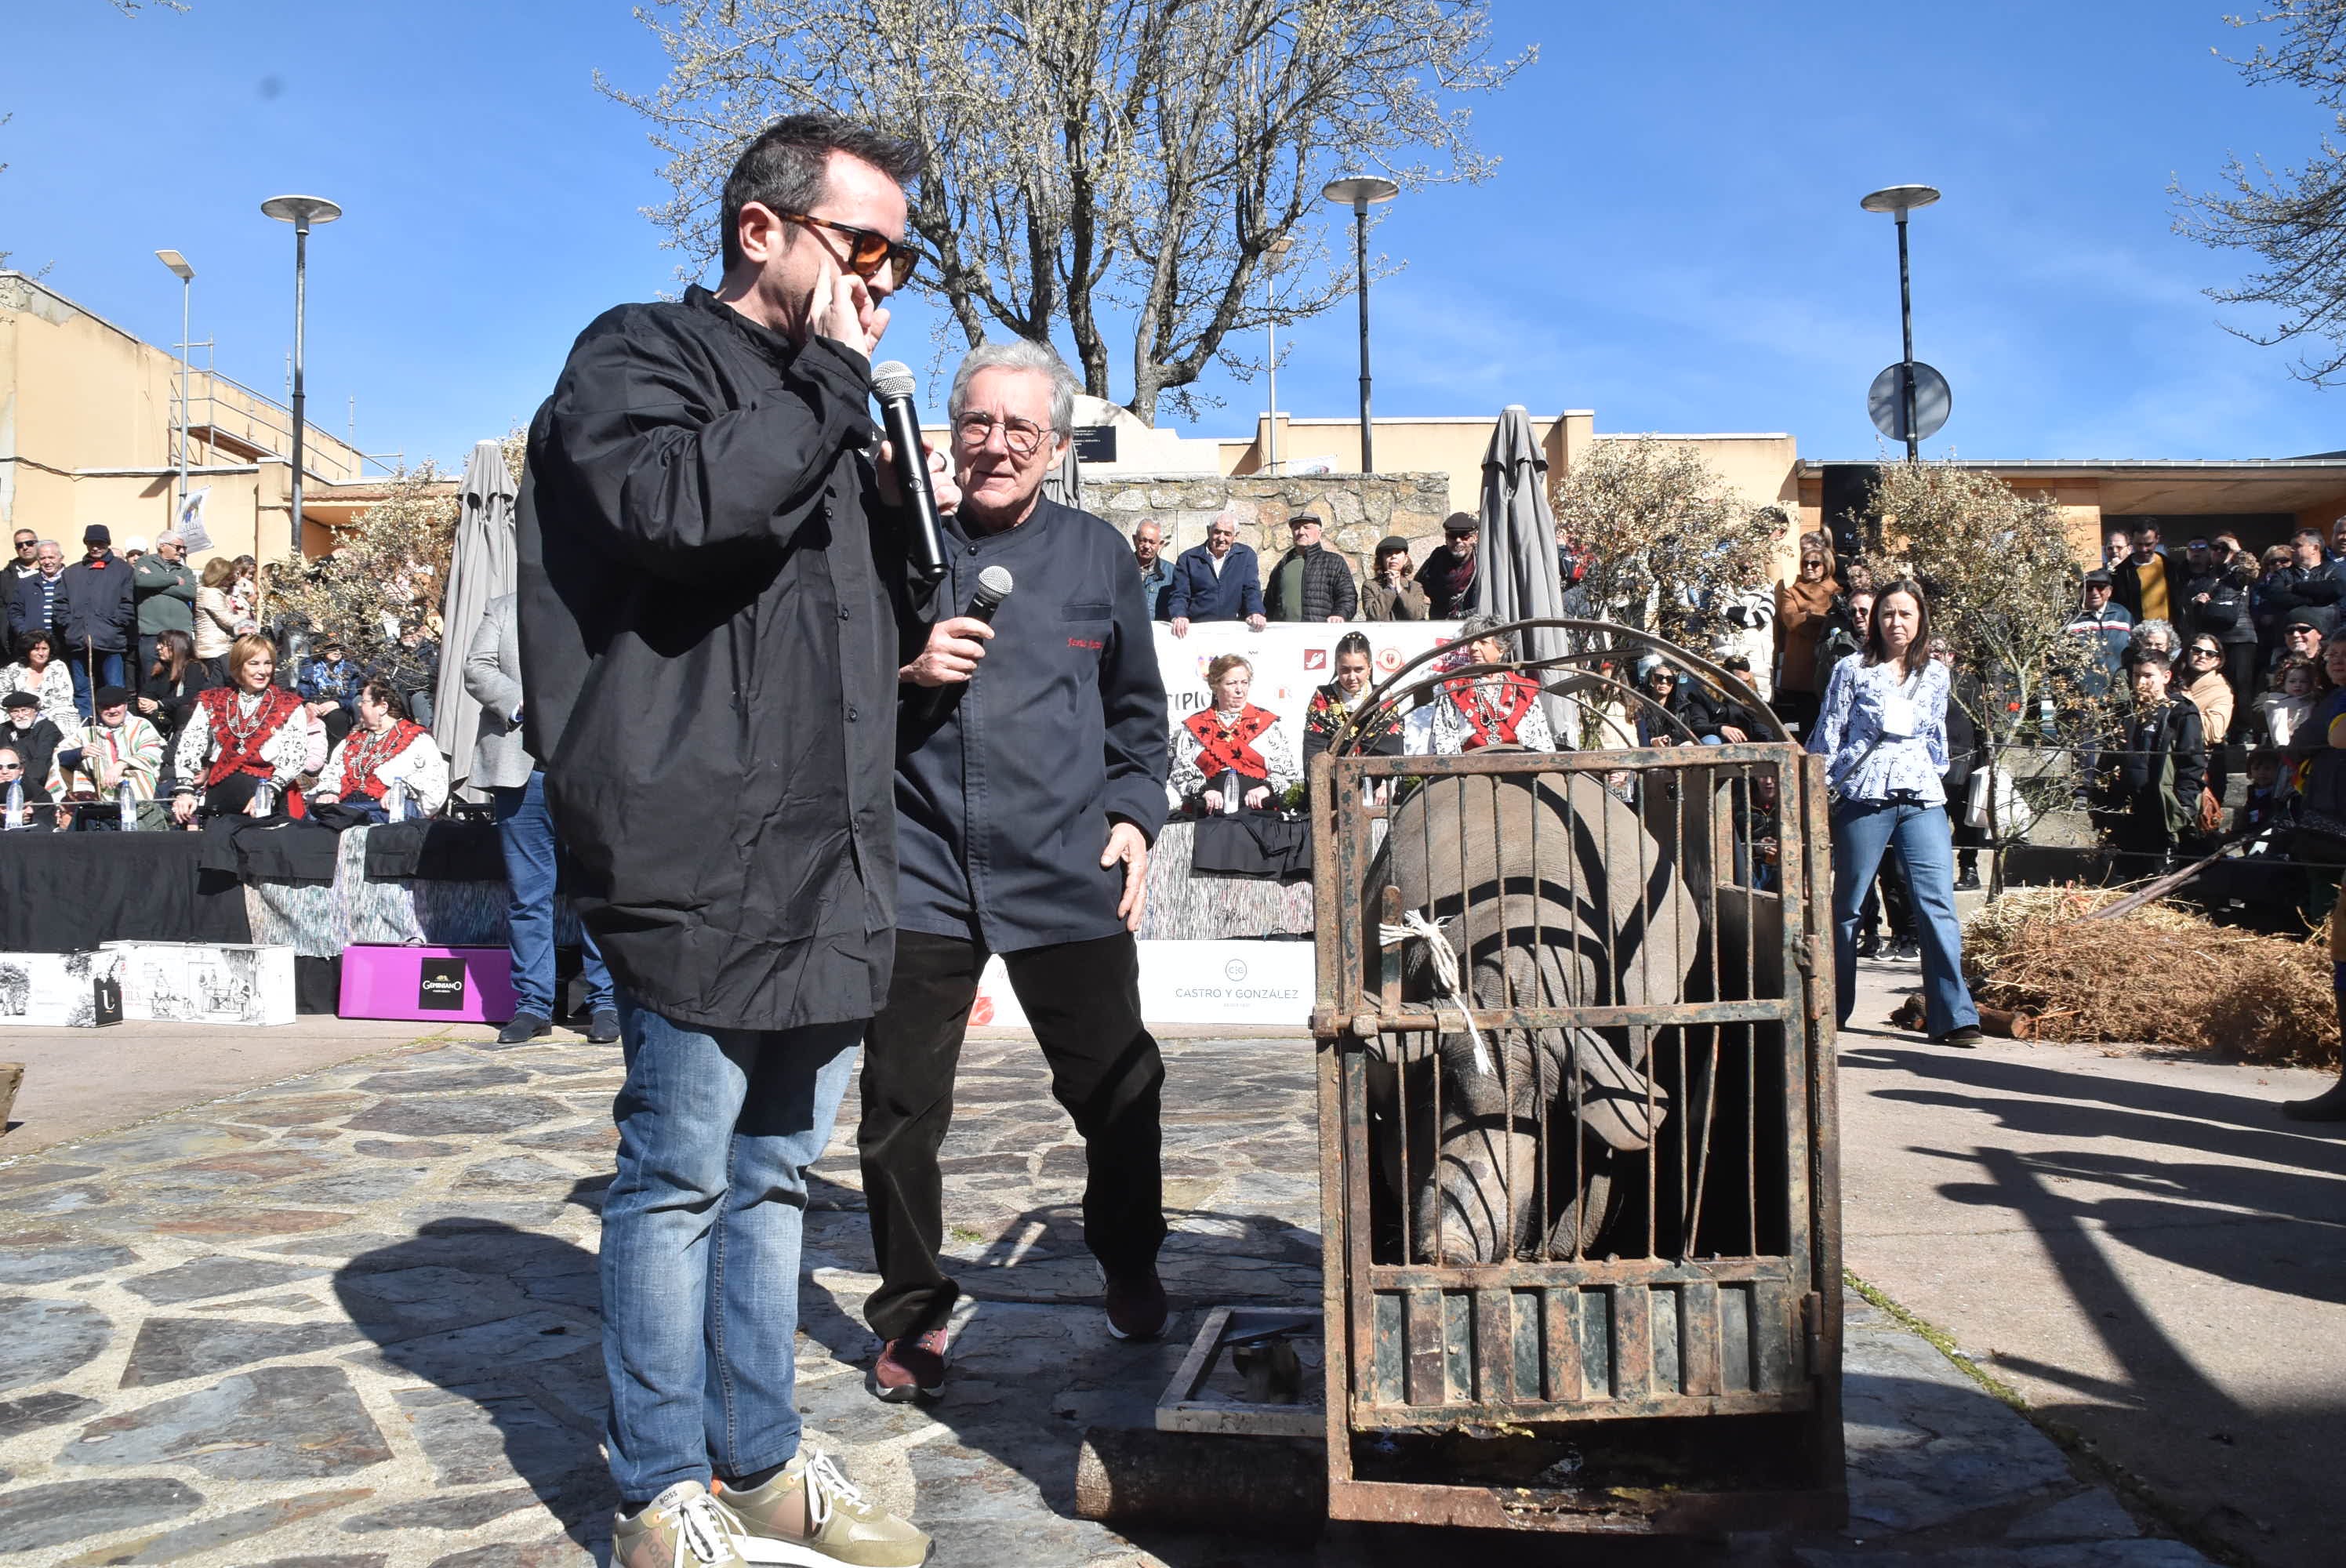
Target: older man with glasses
1030, 783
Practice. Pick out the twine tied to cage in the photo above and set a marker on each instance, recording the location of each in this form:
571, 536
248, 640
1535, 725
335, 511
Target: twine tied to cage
1446, 972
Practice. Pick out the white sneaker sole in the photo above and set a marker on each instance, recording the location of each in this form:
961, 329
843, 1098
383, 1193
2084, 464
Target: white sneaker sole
765, 1550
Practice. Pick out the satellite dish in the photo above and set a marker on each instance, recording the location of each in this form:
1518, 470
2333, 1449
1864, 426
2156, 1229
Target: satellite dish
1885, 402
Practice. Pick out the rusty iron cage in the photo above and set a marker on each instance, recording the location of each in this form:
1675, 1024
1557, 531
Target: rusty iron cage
1579, 1194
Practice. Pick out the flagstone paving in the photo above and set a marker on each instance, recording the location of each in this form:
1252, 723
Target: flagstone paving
349, 1321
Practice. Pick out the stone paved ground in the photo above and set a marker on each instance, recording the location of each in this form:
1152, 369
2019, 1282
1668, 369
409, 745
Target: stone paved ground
348, 1321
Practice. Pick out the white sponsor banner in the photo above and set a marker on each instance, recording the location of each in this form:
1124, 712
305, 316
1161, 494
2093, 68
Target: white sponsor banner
1292, 660
190, 524
1232, 982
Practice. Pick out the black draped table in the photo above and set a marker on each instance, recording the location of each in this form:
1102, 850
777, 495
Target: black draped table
437, 884
67, 892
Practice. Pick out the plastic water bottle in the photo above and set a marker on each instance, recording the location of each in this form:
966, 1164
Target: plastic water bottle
126, 805
16, 804
266, 794
395, 800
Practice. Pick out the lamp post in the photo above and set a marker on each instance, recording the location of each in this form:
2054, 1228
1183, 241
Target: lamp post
187, 277
1899, 200
301, 212
1279, 247
1359, 192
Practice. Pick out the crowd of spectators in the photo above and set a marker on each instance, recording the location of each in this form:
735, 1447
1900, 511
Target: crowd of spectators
139, 692
2202, 663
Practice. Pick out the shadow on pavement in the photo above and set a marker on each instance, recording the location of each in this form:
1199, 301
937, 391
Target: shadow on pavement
2247, 1473
488, 1314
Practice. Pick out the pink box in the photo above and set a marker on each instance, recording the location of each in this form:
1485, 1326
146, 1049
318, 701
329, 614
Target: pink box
429, 984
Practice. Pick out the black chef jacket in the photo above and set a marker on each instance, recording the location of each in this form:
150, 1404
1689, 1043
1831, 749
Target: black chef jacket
711, 613
1004, 808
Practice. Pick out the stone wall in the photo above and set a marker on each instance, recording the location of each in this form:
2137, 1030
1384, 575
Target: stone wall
1361, 509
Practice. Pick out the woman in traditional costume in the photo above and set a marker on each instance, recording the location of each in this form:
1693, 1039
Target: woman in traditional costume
243, 734
1500, 707
384, 748
1335, 704
1232, 736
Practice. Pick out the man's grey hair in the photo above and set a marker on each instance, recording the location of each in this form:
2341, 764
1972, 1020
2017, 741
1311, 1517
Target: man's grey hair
168, 537
1019, 354
2143, 630
48, 545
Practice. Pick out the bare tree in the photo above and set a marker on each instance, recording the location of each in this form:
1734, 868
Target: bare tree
387, 571
1663, 536
2293, 220
1094, 162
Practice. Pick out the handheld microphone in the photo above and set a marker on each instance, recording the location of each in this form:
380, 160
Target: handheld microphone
893, 384
994, 585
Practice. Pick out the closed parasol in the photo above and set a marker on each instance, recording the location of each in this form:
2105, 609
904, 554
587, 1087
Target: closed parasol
481, 570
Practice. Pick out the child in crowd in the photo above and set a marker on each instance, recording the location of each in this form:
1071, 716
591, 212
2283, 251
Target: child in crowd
2286, 706
2266, 810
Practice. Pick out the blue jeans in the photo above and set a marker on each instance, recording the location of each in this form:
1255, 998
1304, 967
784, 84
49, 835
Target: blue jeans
109, 673
1862, 832
533, 870
700, 1243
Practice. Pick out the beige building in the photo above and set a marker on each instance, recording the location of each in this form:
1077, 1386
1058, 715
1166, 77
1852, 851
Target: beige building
90, 418
89, 432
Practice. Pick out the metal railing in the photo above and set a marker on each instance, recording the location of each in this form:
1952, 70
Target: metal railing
221, 409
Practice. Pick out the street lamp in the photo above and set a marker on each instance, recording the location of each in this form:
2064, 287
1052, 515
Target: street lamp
1899, 200
187, 277
301, 212
1279, 247
1359, 193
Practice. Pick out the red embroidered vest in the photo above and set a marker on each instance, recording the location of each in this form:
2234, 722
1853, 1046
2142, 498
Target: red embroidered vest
1233, 752
1494, 724
235, 752
365, 754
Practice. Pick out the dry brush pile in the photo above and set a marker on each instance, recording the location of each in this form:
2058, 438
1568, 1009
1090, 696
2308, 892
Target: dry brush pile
2158, 976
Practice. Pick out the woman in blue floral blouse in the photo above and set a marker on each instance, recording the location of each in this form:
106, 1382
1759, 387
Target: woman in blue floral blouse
1883, 729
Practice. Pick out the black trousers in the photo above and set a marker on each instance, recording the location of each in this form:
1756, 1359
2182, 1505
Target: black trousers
1083, 1000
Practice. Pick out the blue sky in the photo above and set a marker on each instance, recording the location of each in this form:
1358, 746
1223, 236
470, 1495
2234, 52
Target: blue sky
1672, 237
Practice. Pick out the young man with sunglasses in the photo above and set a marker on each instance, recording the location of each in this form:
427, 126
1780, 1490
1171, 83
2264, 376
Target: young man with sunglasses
712, 555
28, 544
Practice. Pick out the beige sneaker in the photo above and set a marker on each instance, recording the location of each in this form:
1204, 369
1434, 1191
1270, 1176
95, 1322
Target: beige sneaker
683, 1527
847, 1526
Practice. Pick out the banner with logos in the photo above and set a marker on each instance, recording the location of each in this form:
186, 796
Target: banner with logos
1239, 983
1292, 660
189, 525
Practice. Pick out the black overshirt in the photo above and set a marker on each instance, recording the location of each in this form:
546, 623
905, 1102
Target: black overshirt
711, 613
1004, 806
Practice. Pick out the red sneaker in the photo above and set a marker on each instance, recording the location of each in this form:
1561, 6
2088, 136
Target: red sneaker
911, 1368
1136, 1304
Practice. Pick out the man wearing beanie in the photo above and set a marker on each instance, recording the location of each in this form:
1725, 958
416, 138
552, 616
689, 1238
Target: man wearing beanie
95, 613
1391, 593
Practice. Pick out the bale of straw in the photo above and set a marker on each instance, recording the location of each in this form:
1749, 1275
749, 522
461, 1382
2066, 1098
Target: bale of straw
2157, 976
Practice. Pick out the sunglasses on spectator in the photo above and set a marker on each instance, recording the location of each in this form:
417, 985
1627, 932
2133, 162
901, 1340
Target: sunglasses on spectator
974, 430
11, 767
2203, 650
868, 251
